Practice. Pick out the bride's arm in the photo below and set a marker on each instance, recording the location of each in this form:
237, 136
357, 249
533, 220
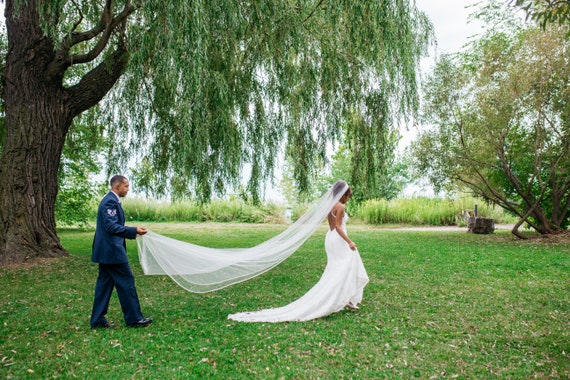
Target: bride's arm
338, 226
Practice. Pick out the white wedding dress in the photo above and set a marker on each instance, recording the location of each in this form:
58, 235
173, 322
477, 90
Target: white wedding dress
342, 282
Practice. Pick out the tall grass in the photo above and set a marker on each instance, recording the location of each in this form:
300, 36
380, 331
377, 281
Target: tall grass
189, 211
401, 211
425, 211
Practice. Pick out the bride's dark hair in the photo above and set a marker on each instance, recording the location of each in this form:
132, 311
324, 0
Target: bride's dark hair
339, 186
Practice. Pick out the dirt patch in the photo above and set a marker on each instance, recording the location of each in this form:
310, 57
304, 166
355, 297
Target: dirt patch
36, 261
558, 239
444, 228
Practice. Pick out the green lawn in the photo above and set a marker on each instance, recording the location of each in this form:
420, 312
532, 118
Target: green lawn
438, 305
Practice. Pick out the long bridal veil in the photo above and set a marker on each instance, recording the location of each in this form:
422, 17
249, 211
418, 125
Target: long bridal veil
201, 269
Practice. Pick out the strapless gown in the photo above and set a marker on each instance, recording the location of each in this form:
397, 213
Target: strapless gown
342, 282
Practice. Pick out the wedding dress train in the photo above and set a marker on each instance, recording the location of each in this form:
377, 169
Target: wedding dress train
342, 283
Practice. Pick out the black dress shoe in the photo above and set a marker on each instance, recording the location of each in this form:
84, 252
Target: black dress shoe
142, 323
105, 325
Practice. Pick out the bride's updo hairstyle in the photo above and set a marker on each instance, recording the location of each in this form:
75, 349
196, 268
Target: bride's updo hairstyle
339, 186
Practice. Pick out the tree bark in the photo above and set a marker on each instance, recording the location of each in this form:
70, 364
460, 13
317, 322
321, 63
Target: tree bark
39, 111
37, 121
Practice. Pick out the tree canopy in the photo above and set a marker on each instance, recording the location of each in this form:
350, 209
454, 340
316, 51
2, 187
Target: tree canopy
190, 93
213, 87
545, 12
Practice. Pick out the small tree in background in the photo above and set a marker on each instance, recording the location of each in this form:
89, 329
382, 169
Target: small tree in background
384, 177
501, 123
80, 163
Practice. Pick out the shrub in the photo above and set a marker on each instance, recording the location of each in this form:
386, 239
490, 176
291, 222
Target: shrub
425, 211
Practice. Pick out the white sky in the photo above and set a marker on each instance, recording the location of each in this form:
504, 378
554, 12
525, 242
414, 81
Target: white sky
450, 20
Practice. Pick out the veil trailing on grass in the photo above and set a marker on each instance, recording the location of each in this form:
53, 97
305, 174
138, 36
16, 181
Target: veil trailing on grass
201, 269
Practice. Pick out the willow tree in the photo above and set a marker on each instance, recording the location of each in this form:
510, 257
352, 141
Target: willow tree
191, 92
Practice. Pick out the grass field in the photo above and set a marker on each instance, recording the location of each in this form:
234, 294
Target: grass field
438, 305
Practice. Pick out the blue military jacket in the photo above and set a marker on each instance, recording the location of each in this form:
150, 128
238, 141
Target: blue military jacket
109, 242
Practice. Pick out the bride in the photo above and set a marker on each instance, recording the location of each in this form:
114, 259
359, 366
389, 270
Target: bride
340, 285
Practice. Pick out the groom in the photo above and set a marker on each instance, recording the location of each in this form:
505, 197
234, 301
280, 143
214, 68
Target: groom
109, 250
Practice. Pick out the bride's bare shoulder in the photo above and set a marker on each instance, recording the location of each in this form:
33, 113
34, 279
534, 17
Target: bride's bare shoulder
338, 207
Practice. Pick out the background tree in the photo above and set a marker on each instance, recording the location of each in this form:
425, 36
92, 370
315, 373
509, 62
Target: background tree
501, 124
385, 176
545, 12
81, 162
374, 171
196, 89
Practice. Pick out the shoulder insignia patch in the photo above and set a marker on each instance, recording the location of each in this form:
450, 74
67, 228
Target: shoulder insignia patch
111, 212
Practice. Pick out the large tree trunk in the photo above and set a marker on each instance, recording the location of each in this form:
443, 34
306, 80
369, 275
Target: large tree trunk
37, 120
28, 188
39, 111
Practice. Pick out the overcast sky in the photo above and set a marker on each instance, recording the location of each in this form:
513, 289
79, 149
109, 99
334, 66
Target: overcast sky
450, 20
452, 31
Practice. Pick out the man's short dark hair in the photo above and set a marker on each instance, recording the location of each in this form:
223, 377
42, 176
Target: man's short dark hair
116, 179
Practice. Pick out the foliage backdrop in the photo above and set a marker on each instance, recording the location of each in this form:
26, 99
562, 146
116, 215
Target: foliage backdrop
417, 211
500, 120
215, 87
